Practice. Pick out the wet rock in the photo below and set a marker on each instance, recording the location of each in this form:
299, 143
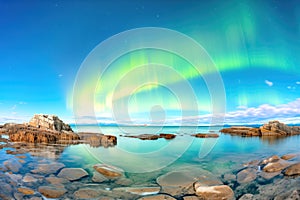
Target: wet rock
55, 180
190, 198
206, 135
51, 168
19, 196
181, 181
52, 191
269, 175
99, 178
109, 171
72, 174
124, 181
6, 191
246, 175
214, 192
12, 165
87, 193
293, 170
15, 177
167, 136
144, 136
288, 156
157, 197
229, 178
29, 179
246, 197
26, 191
139, 190
97, 140
276, 166
242, 131
271, 159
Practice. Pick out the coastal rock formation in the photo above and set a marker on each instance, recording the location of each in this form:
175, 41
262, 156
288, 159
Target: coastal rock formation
167, 136
97, 140
273, 128
206, 135
49, 122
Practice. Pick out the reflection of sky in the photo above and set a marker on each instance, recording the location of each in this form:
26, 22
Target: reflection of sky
254, 45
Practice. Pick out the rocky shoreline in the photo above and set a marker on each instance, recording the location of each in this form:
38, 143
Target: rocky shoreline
273, 128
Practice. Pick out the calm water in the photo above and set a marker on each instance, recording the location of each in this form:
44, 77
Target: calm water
144, 160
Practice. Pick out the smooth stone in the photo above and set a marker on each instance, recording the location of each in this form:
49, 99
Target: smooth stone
51, 168
293, 170
52, 191
55, 180
246, 175
124, 181
288, 156
19, 196
214, 192
181, 181
246, 197
29, 179
269, 175
72, 174
99, 178
206, 135
26, 191
190, 198
14, 177
276, 166
139, 190
12, 165
157, 197
87, 193
271, 159
109, 171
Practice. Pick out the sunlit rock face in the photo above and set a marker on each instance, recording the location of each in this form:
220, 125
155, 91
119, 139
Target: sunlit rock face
47, 122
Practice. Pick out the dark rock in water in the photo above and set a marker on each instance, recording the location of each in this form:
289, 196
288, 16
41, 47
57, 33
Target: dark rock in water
273, 128
293, 170
246, 175
206, 135
97, 140
51, 168
98, 178
87, 193
12, 165
157, 197
246, 197
167, 136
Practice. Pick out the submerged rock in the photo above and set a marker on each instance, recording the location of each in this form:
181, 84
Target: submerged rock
276, 166
99, 178
139, 190
51, 168
52, 191
293, 170
109, 171
87, 193
167, 136
246, 175
157, 197
26, 191
72, 174
214, 192
12, 165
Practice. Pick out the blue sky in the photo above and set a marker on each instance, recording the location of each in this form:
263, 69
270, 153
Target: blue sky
255, 46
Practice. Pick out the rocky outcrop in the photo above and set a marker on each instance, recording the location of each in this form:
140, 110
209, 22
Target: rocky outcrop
167, 136
206, 135
97, 140
273, 128
49, 122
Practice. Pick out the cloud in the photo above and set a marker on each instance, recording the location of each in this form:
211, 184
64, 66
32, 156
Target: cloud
22, 103
269, 83
60, 75
14, 107
298, 82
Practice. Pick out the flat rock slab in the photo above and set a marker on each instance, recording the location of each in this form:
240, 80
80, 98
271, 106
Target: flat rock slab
247, 175
109, 171
139, 190
52, 191
276, 166
12, 165
72, 174
55, 180
51, 168
29, 179
206, 135
87, 193
293, 170
214, 192
99, 178
26, 191
288, 156
157, 197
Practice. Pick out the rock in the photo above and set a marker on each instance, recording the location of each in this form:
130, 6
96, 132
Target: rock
52, 191
288, 156
29, 179
167, 136
214, 192
190, 198
243, 131
293, 170
109, 171
246, 197
51, 122
181, 181
269, 175
206, 135
246, 175
86, 193
271, 159
55, 180
12, 165
15, 177
26, 191
97, 140
157, 197
72, 174
144, 136
139, 190
276, 166
98, 178
51, 168
124, 181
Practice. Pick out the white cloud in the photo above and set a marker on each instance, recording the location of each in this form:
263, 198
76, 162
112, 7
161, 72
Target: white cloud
22, 103
14, 107
60, 75
298, 82
289, 87
269, 83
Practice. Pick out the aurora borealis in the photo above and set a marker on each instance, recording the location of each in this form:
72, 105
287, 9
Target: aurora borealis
254, 45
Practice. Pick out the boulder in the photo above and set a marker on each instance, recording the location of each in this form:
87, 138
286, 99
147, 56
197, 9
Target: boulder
26, 191
72, 174
145, 136
51, 168
167, 136
157, 197
51, 122
109, 171
214, 192
293, 170
55, 180
87, 193
246, 175
97, 140
276, 166
271, 159
98, 178
12, 165
243, 131
52, 191
288, 156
